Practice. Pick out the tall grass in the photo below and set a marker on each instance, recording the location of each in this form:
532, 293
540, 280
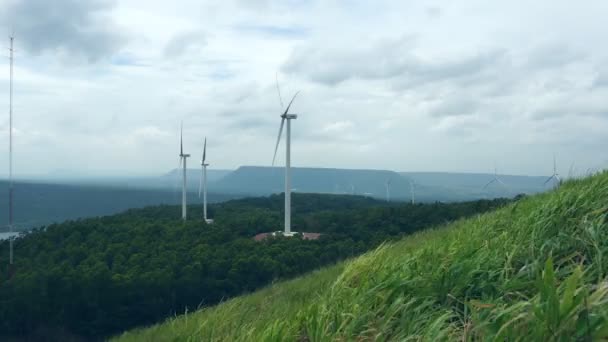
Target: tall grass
242, 318
535, 270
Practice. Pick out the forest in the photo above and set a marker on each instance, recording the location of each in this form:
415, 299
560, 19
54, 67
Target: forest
92, 278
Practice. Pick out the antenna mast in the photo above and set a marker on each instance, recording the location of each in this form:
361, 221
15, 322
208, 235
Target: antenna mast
10, 156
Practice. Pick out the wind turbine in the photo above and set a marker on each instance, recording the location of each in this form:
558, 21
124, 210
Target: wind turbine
555, 175
182, 159
286, 117
388, 190
203, 183
10, 163
412, 191
494, 180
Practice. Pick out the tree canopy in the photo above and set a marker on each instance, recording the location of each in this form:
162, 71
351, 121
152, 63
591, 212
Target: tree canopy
99, 276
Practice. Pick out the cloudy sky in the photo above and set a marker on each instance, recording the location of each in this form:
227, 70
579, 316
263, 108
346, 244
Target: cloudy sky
101, 86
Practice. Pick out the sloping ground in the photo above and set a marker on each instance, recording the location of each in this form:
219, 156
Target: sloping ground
535, 270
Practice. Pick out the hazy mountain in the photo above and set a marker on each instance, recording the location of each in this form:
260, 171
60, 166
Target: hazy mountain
264, 180
173, 178
40, 203
37, 204
470, 185
427, 186
169, 181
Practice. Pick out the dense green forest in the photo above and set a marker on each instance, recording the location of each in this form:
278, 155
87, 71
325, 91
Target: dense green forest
533, 270
96, 277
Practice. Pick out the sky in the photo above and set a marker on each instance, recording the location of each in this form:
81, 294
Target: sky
101, 86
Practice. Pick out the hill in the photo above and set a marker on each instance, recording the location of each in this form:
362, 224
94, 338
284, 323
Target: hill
532, 271
264, 180
168, 181
58, 197
39, 204
462, 186
95, 277
428, 186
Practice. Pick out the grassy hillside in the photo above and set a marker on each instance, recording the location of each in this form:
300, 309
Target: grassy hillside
535, 270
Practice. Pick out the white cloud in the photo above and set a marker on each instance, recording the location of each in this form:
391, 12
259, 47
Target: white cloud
385, 84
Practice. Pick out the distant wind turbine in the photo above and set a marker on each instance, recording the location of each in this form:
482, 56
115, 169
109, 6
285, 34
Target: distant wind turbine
388, 190
495, 180
555, 175
412, 191
286, 117
10, 158
183, 159
203, 183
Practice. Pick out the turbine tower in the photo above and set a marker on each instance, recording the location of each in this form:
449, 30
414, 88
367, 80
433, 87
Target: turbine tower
286, 117
555, 175
412, 191
182, 159
203, 183
10, 159
388, 190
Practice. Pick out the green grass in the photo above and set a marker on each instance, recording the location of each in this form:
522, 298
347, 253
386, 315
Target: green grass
243, 316
533, 271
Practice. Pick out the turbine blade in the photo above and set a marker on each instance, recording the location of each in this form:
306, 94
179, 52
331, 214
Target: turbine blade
205, 150
278, 140
181, 140
548, 179
290, 102
490, 182
279, 90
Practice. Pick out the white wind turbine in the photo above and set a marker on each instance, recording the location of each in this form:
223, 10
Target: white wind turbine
388, 190
495, 180
10, 163
203, 183
412, 191
555, 175
286, 117
182, 160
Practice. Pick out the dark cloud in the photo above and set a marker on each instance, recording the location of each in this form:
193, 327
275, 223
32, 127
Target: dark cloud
181, 43
464, 69
433, 12
272, 5
386, 60
601, 80
455, 107
273, 31
333, 65
553, 56
76, 27
572, 109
